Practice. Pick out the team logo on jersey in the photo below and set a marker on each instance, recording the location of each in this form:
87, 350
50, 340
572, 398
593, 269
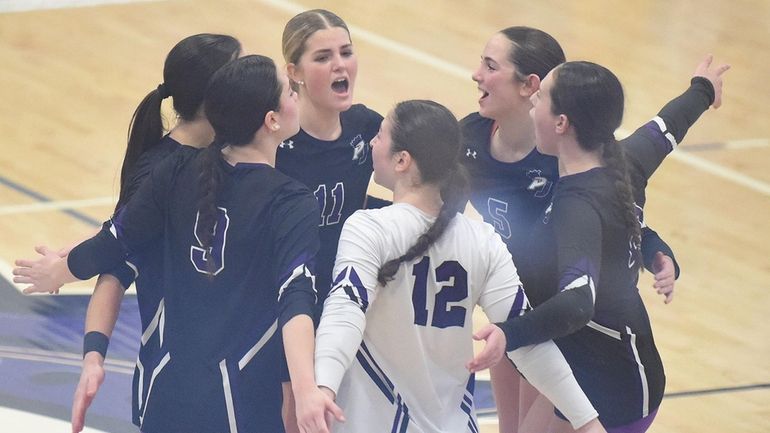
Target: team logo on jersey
547, 215
360, 149
288, 144
470, 153
540, 184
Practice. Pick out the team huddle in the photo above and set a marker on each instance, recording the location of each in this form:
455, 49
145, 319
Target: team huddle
276, 295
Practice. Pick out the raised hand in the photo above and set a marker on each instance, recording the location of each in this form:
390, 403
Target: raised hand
44, 275
714, 75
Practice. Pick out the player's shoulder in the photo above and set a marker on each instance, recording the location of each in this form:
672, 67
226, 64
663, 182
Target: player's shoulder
475, 123
362, 113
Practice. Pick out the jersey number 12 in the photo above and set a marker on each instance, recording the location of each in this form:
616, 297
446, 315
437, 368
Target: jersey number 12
444, 315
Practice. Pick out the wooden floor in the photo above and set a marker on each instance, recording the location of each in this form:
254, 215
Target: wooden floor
71, 78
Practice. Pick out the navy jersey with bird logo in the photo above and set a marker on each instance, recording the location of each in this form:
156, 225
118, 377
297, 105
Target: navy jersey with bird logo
338, 173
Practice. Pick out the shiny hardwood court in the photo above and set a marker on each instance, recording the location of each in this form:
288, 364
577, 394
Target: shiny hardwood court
71, 78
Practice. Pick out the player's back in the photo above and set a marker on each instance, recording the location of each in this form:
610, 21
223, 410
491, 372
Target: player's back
410, 368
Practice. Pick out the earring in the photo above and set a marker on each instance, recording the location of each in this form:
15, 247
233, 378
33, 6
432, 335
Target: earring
301, 83
275, 127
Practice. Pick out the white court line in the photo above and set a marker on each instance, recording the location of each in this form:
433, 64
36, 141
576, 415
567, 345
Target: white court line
17, 421
460, 72
62, 361
46, 206
751, 143
31, 5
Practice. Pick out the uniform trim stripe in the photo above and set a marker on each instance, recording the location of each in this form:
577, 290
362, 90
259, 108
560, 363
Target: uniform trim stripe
251, 353
377, 366
228, 396
664, 130
584, 280
467, 404
380, 379
301, 269
140, 383
133, 268
155, 372
642, 375
604, 330
519, 304
153, 325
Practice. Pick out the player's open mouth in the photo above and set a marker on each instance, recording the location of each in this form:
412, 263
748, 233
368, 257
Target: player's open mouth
340, 85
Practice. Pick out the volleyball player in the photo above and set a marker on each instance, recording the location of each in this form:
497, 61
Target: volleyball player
331, 153
239, 240
512, 182
395, 333
187, 69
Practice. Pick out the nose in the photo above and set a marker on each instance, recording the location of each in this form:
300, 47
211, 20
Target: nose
476, 76
337, 62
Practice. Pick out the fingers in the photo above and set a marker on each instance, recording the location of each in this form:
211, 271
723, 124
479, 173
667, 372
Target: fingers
336, 411
44, 250
704, 64
484, 332
669, 297
22, 265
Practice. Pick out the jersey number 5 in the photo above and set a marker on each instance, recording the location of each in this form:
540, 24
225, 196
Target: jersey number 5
216, 251
443, 317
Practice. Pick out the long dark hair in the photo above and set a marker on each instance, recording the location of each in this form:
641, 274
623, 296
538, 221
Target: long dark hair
237, 99
431, 135
592, 98
534, 51
187, 70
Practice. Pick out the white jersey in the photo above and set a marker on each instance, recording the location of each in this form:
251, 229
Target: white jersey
395, 355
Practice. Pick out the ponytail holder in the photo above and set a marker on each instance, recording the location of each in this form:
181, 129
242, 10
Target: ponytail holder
162, 92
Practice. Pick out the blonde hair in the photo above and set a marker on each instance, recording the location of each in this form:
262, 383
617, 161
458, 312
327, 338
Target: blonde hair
302, 27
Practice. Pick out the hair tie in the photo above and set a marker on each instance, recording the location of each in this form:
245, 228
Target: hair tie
162, 91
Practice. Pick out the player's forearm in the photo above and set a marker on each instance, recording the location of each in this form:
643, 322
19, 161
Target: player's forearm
546, 369
298, 342
338, 339
104, 306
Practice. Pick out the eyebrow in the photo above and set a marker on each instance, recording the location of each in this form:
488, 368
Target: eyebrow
329, 50
489, 59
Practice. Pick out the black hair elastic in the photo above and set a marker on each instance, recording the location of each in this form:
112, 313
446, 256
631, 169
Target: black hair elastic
162, 91
95, 341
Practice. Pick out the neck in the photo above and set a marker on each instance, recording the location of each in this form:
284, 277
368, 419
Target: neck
425, 197
574, 160
261, 150
514, 137
196, 133
319, 123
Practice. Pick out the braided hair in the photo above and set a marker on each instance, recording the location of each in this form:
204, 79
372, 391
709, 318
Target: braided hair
591, 97
431, 135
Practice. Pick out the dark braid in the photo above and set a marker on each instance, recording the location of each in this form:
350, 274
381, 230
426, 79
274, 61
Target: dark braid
237, 99
209, 184
591, 97
431, 135
615, 161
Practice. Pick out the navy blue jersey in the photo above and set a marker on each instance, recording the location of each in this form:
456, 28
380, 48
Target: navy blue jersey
221, 320
583, 250
511, 196
149, 286
338, 173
